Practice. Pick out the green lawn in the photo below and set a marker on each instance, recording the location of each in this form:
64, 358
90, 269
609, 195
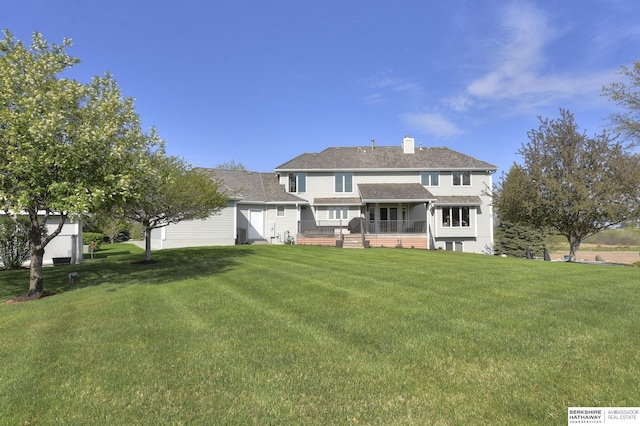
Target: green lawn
317, 335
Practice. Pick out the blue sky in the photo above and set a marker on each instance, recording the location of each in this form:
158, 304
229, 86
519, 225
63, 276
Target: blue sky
261, 82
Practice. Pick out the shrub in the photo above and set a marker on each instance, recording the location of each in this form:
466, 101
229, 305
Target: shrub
137, 231
514, 239
92, 237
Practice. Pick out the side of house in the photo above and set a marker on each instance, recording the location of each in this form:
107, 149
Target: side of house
68, 243
259, 211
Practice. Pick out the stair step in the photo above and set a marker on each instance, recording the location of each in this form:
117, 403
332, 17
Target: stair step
352, 242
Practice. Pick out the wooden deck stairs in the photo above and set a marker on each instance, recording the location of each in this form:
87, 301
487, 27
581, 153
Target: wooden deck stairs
353, 241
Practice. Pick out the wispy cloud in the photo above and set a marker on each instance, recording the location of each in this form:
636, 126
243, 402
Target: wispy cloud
387, 87
433, 124
517, 78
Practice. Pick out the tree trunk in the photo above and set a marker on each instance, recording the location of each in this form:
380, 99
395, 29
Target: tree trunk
574, 245
37, 243
147, 243
36, 281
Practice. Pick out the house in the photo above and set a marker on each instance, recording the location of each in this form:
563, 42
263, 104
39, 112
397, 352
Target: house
362, 196
406, 196
259, 210
67, 244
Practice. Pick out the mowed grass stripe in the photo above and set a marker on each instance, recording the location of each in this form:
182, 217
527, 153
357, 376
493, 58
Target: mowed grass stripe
312, 335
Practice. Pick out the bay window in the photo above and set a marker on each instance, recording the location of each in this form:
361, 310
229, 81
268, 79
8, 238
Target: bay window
455, 216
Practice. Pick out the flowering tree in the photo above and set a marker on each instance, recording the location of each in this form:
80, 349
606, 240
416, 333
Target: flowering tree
67, 147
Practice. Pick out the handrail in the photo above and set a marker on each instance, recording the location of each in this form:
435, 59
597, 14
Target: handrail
333, 227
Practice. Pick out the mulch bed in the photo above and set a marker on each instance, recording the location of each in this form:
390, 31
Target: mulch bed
30, 297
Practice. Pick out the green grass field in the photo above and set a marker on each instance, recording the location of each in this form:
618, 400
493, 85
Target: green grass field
317, 335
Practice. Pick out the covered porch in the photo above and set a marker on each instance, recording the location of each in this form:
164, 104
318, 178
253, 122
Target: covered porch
389, 215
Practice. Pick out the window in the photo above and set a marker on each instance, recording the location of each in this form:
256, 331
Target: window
344, 182
297, 182
461, 178
430, 178
453, 245
455, 216
280, 211
339, 213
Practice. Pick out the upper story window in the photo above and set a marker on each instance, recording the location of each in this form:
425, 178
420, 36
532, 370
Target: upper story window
297, 182
455, 216
430, 178
461, 178
344, 182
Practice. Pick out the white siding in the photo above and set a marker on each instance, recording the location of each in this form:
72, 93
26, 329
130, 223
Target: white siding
68, 243
479, 182
388, 177
284, 225
216, 230
322, 185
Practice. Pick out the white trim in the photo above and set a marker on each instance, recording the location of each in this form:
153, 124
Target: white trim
392, 169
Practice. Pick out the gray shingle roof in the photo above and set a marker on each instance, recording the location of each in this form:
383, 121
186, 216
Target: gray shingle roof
459, 200
331, 201
371, 192
384, 157
253, 186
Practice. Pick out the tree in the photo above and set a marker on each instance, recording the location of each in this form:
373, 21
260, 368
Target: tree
173, 192
513, 239
106, 223
232, 165
570, 183
626, 94
512, 199
515, 200
67, 147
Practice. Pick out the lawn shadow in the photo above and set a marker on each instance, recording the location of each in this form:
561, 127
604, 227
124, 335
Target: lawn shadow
126, 267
